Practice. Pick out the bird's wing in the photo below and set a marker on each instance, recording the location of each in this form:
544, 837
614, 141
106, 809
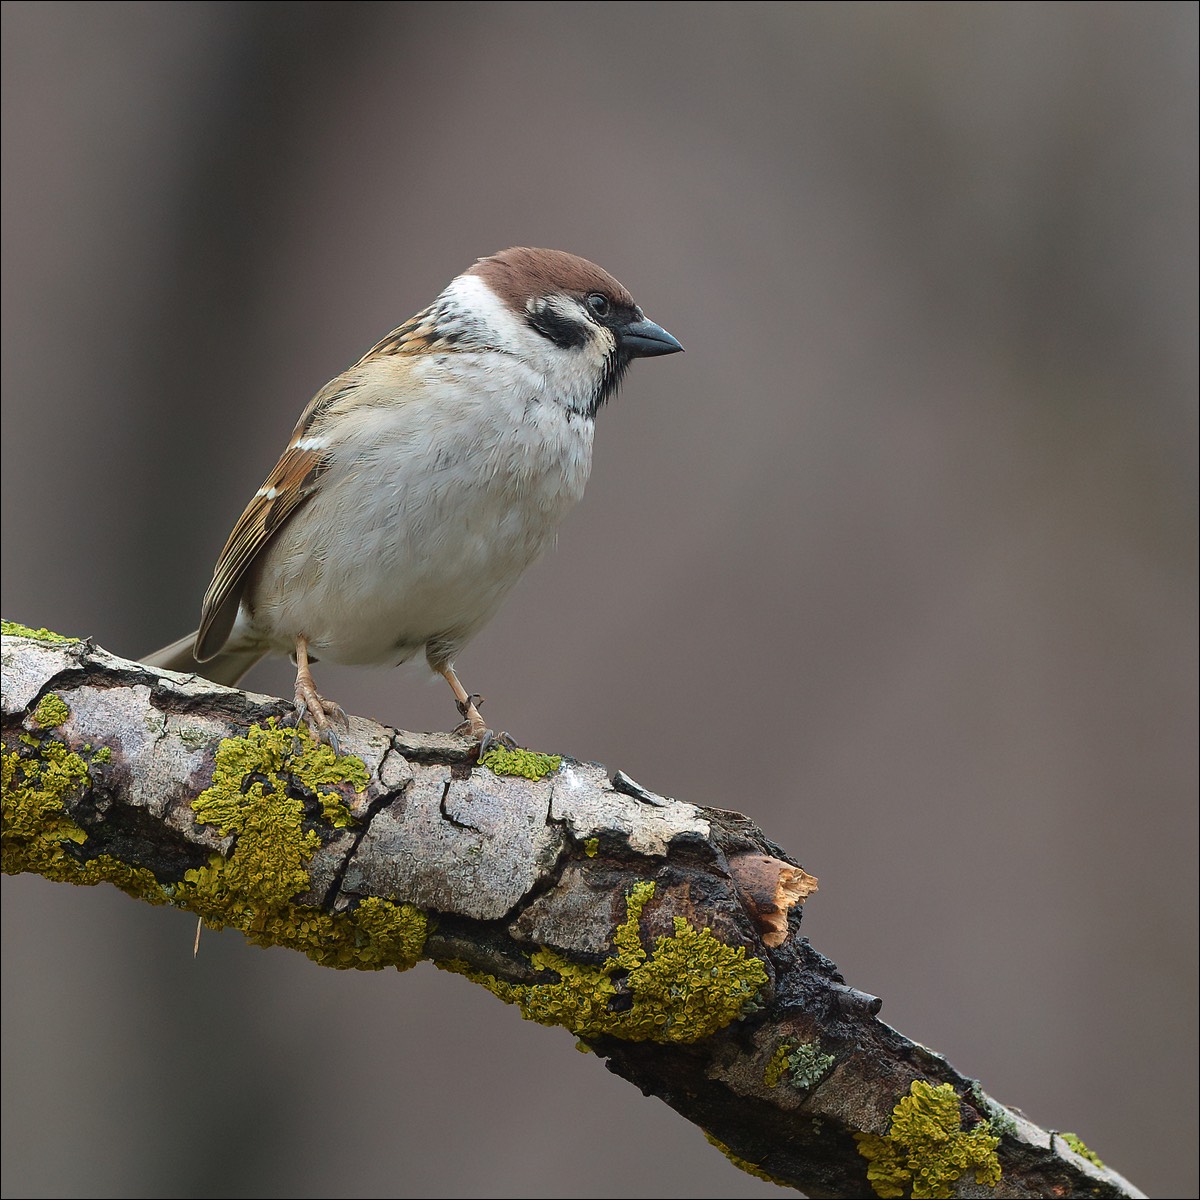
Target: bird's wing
294, 480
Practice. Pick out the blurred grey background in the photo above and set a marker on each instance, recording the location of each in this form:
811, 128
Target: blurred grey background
899, 558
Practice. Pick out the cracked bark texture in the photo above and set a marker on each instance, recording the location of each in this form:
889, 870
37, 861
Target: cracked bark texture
506, 866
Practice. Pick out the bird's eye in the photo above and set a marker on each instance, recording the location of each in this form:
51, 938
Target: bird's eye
598, 304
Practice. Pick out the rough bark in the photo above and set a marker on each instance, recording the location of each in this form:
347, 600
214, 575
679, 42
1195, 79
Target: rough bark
665, 935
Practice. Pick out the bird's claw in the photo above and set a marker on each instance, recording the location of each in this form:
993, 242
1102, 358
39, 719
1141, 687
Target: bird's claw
493, 741
476, 728
320, 715
488, 739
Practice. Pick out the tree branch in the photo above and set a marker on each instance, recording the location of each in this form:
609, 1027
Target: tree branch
662, 934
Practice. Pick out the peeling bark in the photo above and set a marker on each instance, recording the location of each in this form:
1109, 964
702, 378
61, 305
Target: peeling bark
642, 922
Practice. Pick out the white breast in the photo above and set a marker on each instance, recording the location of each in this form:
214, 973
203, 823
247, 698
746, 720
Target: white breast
450, 476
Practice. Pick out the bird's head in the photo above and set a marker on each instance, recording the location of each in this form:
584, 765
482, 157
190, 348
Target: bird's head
566, 318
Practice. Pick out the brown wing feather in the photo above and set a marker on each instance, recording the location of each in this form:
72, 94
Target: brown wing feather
293, 481
289, 485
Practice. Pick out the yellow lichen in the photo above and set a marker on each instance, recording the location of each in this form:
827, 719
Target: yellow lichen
518, 761
591, 847
256, 797
688, 987
15, 629
1077, 1144
742, 1164
926, 1149
777, 1064
51, 711
376, 933
256, 794
39, 835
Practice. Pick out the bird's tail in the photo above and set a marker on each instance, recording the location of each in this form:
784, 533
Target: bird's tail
227, 667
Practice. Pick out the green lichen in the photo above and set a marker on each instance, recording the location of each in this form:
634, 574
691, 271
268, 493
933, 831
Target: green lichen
688, 987
257, 794
1001, 1120
51, 711
803, 1065
1076, 1143
39, 836
808, 1065
925, 1148
591, 847
527, 763
14, 629
742, 1164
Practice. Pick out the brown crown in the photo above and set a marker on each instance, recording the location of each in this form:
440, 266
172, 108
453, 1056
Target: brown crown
522, 273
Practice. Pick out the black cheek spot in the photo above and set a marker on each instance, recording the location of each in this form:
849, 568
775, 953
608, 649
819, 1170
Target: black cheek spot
562, 331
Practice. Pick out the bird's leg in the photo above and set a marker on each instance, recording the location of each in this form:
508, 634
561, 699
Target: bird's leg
311, 707
473, 725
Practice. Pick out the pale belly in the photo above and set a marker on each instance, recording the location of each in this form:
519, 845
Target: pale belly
382, 562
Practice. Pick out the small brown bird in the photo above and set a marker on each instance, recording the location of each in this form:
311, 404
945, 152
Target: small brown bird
419, 484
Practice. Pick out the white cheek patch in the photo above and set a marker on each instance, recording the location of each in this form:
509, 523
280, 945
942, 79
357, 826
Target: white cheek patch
569, 376
475, 303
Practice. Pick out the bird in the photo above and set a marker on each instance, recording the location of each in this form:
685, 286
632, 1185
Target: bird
420, 483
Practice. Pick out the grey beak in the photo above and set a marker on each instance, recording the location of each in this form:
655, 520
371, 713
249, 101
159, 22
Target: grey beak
644, 339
